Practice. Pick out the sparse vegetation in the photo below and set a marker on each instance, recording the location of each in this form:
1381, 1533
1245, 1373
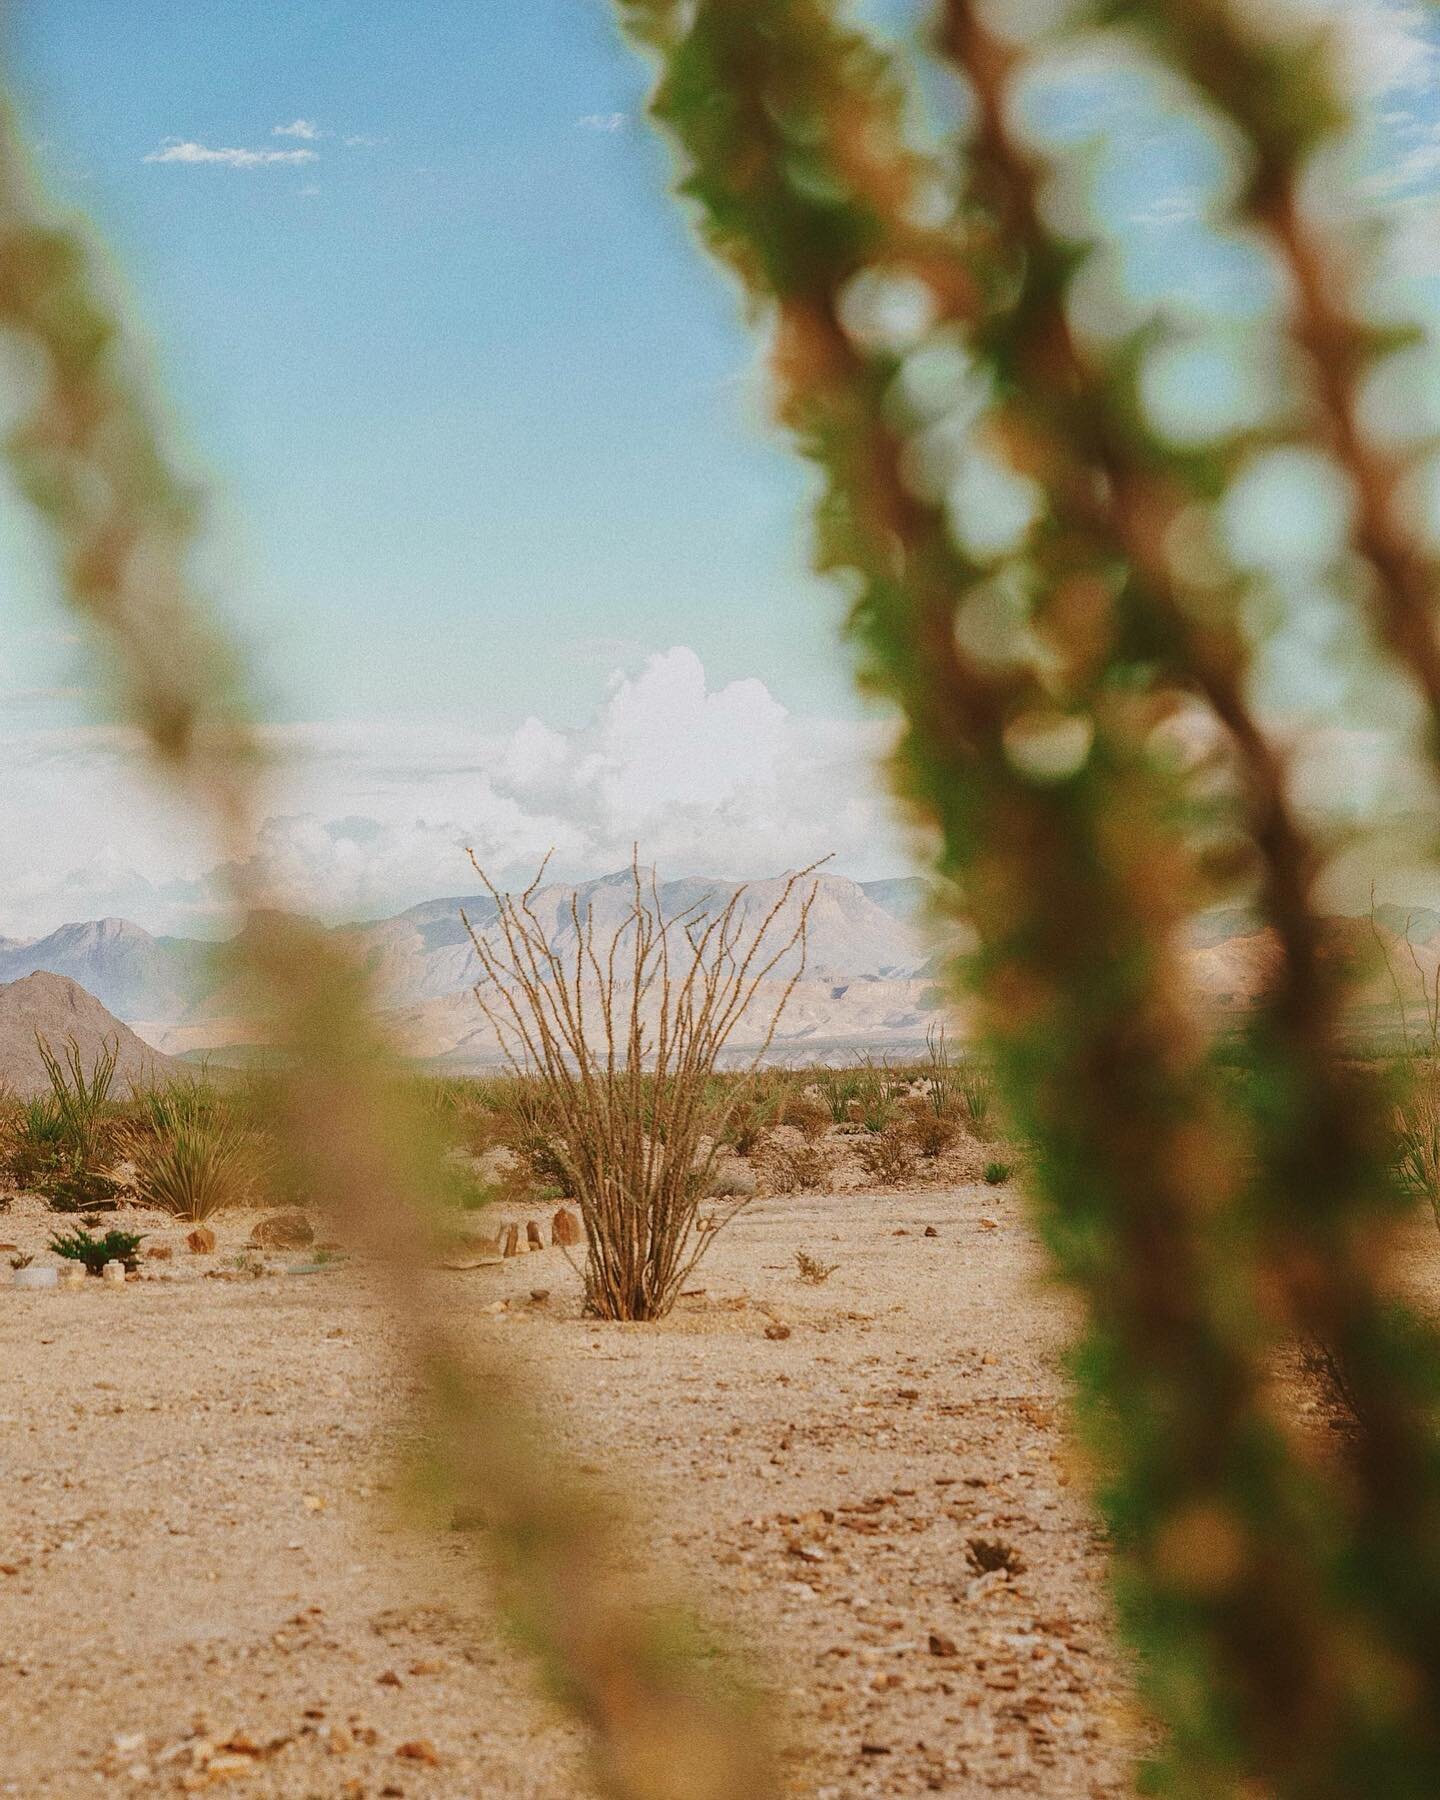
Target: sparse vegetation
997, 1173
200, 1160
811, 1270
890, 1154
989, 1556
622, 1037
61, 1143
82, 1247
791, 1168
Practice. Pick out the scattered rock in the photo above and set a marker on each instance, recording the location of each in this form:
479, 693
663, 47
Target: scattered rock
159, 1253
940, 1645
43, 1276
289, 1230
930, 1231
533, 1239
777, 1332
565, 1228
419, 1750
389, 1679
201, 1241
539, 1296
511, 1246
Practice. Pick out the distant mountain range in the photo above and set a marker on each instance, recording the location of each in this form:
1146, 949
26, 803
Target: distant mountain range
870, 983
869, 972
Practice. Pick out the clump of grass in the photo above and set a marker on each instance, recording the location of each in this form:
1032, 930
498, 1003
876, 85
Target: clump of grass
989, 1555
998, 1173
811, 1270
193, 1151
809, 1117
57, 1143
889, 1155
82, 1247
81, 1190
795, 1168
198, 1169
976, 1089
931, 1132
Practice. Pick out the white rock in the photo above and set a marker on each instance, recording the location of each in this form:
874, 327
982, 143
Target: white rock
43, 1277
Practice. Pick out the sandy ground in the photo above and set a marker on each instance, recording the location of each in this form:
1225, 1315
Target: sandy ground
203, 1583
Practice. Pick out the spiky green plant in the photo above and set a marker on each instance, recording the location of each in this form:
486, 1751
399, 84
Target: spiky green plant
1040, 580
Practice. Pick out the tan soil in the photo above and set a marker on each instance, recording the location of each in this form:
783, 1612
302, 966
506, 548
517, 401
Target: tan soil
196, 1537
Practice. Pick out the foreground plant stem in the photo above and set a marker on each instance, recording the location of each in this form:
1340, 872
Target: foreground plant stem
1277, 1646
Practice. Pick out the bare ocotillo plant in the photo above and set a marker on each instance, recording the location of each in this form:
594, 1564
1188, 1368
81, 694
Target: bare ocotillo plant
625, 1033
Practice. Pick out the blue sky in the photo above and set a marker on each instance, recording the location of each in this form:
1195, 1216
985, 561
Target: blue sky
465, 387
493, 494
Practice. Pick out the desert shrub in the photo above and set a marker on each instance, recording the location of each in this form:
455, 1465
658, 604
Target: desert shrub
83, 1247
809, 1117
841, 1090
889, 1154
58, 1144
997, 1173
621, 1041
79, 1190
750, 1109
976, 1089
194, 1149
80, 1097
791, 1168
744, 1128
197, 1167
874, 1106
989, 1556
811, 1270
933, 1133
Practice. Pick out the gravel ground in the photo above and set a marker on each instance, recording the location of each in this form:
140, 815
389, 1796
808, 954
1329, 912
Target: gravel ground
204, 1581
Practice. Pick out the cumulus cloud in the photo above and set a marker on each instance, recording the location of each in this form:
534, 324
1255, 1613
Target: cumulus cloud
604, 122
183, 150
298, 128
369, 817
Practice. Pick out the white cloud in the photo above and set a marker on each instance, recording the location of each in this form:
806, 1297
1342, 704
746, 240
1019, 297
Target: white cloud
614, 121
298, 128
177, 150
368, 817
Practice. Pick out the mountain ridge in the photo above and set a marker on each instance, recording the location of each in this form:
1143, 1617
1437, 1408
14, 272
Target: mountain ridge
870, 979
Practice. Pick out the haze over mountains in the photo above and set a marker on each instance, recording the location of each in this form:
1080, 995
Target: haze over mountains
868, 979
870, 982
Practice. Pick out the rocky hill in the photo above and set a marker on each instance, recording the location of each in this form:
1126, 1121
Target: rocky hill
57, 1010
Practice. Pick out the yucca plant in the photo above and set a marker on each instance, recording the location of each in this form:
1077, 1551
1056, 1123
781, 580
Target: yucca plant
196, 1165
